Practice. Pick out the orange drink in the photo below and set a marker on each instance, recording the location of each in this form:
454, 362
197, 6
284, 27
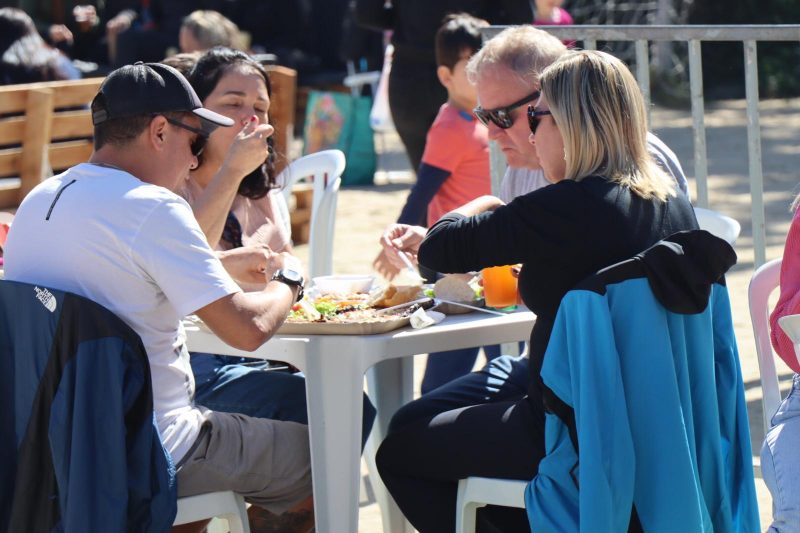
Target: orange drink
499, 287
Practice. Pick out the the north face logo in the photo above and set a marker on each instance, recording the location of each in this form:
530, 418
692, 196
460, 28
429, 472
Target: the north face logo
47, 298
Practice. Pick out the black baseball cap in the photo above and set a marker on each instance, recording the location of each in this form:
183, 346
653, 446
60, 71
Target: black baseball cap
150, 89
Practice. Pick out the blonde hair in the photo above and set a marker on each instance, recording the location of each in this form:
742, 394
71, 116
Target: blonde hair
525, 50
600, 113
211, 29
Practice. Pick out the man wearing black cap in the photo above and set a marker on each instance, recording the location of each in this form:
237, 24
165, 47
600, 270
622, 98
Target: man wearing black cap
112, 230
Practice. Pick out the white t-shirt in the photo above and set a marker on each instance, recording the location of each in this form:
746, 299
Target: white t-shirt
136, 249
518, 181
668, 161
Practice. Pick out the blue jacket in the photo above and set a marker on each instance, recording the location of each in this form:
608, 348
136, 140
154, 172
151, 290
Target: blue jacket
643, 380
79, 447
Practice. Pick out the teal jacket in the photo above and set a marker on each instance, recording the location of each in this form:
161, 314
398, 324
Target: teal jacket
647, 424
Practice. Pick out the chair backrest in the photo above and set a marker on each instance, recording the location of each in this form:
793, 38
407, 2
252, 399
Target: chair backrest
330, 162
69, 371
282, 109
765, 279
46, 127
323, 222
324, 169
718, 224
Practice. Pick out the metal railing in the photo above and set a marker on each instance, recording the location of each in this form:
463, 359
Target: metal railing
641, 36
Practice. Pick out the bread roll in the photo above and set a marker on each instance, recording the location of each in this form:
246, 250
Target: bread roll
396, 295
455, 288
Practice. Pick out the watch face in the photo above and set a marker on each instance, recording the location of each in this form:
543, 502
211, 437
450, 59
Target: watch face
292, 276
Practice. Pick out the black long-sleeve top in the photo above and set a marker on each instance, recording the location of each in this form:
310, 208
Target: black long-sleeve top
561, 234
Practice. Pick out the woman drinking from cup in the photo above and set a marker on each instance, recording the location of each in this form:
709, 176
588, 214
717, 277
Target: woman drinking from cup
609, 201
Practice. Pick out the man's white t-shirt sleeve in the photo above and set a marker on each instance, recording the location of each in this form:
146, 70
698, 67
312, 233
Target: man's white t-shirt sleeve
172, 250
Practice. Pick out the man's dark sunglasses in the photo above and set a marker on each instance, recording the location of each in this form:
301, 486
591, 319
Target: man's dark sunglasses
533, 118
199, 142
501, 116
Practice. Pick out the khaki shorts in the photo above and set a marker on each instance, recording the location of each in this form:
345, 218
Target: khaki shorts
266, 461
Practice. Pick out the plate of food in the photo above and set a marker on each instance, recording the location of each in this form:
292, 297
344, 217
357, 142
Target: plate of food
354, 314
457, 294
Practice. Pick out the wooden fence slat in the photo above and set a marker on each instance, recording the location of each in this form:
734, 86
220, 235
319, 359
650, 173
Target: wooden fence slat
72, 93
281, 112
9, 196
71, 124
66, 154
33, 165
12, 130
9, 162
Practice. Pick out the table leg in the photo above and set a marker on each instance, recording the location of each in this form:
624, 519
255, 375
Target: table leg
390, 385
334, 390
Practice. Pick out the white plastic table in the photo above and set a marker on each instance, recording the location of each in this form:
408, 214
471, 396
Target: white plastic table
334, 366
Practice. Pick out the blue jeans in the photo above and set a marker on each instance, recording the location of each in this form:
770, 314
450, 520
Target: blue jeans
252, 388
780, 463
504, 378
443, 367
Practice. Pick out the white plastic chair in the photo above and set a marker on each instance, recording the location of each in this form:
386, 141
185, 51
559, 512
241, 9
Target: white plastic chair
763, 282
323, 222
718, 224
223, 504
324, 169
475, 492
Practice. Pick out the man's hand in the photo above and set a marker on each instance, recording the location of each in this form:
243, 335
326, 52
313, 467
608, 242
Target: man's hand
249, 148
384, 266
60, 34
120, 23
85, 16
256, 264
398, 239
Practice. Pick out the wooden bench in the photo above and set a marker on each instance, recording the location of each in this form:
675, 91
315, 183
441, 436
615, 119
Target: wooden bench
282, 110
45, 127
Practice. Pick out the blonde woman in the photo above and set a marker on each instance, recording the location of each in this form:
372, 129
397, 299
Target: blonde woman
608, 201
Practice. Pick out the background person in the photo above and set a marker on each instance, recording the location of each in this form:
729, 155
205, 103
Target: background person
415, 93
205, 29
608, 201
124, 239
550, 13
24, 56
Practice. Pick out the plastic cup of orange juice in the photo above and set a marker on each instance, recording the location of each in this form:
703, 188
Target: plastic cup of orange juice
500, 287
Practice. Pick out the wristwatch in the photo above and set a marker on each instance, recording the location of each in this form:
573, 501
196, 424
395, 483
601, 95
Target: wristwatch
291, 278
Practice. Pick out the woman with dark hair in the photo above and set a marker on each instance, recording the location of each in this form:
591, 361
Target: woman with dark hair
24, 56
233, 195
231, 191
